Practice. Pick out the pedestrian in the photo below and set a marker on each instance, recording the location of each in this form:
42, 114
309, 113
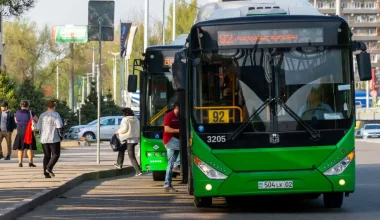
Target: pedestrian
49, 126
23, 116
129, 135
7, 125
171, 142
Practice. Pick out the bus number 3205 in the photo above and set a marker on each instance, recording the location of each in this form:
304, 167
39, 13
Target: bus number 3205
216, 139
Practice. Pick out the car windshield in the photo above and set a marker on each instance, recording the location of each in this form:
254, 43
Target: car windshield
314, 82
93, 122
372, 127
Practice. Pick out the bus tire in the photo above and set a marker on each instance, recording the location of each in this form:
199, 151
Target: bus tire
201, 202
159, 175
333, 200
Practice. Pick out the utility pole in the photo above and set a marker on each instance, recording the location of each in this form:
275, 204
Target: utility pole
174, 18
114, 76
99, 95
146, 24
88, 84
338, 6
83, 82
71, 78
163, 23
57, 82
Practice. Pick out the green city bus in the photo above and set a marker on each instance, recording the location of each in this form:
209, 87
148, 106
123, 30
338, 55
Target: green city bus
156, 97
267, 105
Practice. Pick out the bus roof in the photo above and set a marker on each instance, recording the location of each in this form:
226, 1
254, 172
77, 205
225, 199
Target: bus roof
164, 48
220, 10
272, 19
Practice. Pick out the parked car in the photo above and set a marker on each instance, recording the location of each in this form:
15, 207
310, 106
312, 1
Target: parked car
358, 134
358, 104
371, 131
108, 126
74, 130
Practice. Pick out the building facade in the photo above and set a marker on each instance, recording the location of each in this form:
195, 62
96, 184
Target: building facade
364, 20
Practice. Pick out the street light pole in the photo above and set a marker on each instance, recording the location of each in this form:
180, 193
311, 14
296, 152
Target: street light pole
57, 82
174, 18
163, 23
146, 24
114, 76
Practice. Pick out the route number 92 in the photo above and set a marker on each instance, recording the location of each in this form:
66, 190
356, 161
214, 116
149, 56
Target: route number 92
216, 139
218, 116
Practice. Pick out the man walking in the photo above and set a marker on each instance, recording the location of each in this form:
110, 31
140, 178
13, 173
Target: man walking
7, 125
49, 124
171, 142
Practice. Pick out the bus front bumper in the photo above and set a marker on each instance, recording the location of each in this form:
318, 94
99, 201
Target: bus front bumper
251, 183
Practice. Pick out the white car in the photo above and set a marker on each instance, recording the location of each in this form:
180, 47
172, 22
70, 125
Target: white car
108, 126
371, 131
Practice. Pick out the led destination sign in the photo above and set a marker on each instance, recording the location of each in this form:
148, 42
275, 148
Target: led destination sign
270, 36
168, 61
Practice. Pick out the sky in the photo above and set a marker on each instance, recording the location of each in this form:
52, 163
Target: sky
75, 12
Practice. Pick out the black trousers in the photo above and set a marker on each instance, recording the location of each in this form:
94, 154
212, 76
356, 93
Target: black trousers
51, 155
131, 154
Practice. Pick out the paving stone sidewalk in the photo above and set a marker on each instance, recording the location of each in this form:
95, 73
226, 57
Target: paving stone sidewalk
18, 186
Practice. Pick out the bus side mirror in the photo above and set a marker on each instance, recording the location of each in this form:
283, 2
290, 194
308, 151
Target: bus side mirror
364, 66
132, 83
179, 71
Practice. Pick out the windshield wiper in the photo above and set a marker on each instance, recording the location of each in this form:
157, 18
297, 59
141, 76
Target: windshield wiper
240, 129
314, 134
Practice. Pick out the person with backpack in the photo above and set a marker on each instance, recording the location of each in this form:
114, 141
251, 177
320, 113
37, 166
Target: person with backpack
129, 135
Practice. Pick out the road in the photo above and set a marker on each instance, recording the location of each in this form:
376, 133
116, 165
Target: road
141, 198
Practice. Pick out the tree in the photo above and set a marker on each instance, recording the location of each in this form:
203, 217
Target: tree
16, 7
24, 50
110, 108
66, 114
185, 16
27, 91
7, 91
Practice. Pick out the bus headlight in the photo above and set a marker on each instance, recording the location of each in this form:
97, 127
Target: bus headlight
341, 166
210, 172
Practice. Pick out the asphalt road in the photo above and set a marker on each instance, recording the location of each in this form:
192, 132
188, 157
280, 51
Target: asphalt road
141, 198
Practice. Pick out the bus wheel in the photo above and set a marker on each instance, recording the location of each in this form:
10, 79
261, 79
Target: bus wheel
333, 200
200, 202
159, 175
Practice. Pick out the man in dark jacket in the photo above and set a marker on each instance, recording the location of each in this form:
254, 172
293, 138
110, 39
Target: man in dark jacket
7, 125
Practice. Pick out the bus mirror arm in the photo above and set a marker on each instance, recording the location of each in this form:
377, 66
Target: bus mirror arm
358, 46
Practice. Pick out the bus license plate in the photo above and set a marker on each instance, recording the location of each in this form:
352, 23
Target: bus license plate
276, 185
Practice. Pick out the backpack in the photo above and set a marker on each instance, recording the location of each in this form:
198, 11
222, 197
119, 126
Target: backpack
115, 143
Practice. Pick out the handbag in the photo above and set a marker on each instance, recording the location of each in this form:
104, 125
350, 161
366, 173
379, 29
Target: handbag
115, 143
34, 125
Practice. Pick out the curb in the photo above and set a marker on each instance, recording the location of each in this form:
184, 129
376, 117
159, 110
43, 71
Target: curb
27, 205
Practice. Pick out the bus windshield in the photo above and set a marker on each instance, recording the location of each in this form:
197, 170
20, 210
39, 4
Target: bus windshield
160, 95
313, 82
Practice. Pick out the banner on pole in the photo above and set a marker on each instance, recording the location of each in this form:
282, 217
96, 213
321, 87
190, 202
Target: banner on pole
131, 37
124, 34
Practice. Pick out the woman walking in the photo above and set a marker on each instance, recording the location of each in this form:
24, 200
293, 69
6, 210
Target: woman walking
129, 135
22, 119
49, 124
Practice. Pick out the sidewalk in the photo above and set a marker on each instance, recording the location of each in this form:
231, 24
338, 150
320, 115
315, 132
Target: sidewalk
22, 189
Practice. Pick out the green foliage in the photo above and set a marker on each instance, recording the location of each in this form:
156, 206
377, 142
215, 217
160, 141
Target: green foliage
89, 110
7, 91
185, 16
66, 114
16, 7
27, 91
